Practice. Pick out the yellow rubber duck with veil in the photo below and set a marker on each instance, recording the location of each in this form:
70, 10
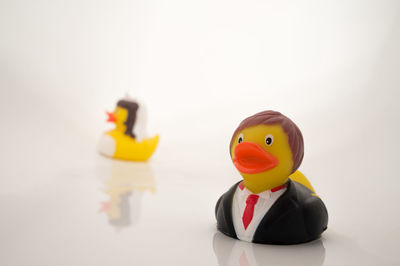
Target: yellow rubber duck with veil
128, 140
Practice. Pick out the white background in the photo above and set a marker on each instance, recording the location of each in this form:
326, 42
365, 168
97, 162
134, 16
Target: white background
200, 67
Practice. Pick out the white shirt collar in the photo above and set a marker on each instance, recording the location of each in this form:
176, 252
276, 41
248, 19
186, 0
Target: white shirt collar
265, 194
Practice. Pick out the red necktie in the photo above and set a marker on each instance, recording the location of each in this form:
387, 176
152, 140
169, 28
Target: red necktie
249, 210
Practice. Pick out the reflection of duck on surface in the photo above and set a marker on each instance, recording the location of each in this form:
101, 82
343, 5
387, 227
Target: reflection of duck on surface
125, 187
127, 141
274, 204
231, 252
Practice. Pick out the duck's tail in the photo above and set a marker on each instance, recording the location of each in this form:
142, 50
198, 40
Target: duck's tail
300, 178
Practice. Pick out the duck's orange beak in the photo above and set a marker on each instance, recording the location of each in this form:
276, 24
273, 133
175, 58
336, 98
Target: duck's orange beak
251, 158
111, 117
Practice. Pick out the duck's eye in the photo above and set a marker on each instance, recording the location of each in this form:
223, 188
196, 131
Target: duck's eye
240, 139
269, 139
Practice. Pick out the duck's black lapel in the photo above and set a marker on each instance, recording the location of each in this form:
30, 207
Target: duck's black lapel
296, 217
223, 212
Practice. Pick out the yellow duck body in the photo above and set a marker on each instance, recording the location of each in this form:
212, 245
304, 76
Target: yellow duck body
119, 144
127, 148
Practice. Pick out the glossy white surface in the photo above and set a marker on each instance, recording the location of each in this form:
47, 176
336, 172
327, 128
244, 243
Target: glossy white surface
165, 217
201, 67
51, 211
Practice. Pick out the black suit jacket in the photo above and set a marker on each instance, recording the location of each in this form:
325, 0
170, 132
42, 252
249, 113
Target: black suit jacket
297, 216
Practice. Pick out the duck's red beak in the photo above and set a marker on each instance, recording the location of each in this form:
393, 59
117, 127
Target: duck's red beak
111, 117
251, 158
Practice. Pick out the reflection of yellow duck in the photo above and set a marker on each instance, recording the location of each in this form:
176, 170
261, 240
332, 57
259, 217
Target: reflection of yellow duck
242, 253
125, 187
127, 141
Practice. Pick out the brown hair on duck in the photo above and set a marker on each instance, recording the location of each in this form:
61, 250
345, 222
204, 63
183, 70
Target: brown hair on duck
132, 108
